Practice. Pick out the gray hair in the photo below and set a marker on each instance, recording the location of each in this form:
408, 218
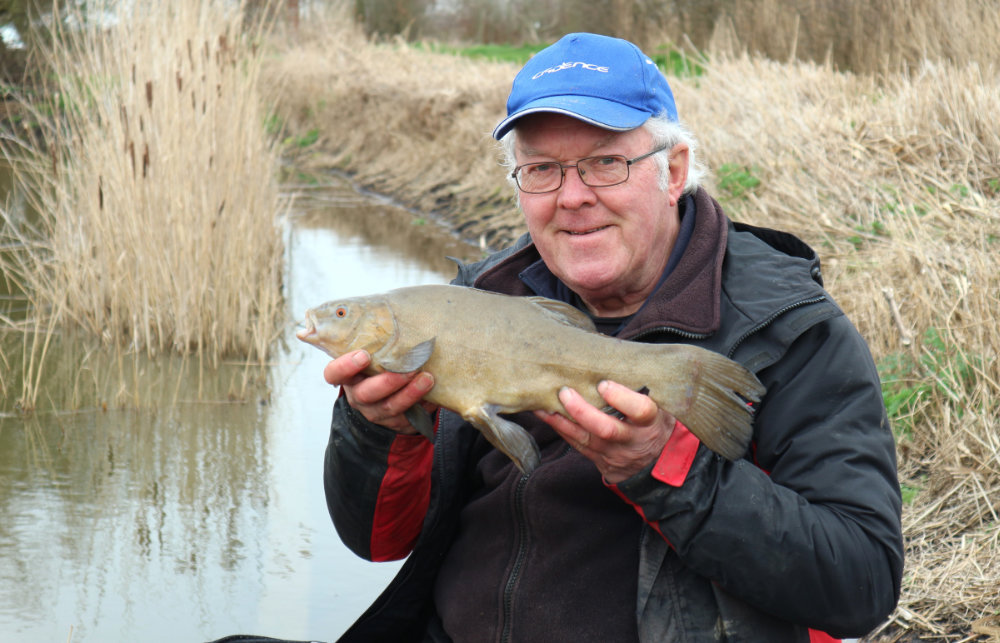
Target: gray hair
663, 131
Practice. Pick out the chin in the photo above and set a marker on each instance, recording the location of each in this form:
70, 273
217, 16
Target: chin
589, 282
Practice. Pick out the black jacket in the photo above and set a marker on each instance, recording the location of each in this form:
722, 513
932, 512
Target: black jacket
803, 533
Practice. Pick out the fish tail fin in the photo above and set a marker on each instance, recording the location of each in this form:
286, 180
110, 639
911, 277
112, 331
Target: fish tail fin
716, 404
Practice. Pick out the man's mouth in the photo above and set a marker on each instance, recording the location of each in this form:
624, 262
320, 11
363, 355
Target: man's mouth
577, 233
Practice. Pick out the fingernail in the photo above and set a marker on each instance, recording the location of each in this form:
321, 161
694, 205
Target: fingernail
602, 386
360, 359
424, 382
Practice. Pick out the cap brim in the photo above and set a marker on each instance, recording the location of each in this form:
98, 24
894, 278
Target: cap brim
601, 113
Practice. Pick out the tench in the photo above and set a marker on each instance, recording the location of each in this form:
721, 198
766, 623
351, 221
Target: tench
491, 353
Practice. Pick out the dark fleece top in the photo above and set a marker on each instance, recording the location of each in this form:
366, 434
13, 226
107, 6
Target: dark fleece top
553, 556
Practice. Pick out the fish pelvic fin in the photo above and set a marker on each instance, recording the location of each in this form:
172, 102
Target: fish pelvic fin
719, 405
409, 360
508, 437
421, 421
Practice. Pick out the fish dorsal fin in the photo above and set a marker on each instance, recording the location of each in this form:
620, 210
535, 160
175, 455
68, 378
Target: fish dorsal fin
564, 313
410, 360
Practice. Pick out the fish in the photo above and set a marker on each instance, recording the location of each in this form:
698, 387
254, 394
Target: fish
493, 354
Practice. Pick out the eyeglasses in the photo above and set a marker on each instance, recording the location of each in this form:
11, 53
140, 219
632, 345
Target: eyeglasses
595, 171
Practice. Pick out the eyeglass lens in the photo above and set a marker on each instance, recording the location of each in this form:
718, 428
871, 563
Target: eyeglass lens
595, 171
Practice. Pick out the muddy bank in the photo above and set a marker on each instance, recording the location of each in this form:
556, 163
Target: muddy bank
383, 115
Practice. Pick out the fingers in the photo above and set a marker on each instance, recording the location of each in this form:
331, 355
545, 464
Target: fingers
619, 448
382, 398
392, 392
638, 408
590, 420
573, 433
345, 367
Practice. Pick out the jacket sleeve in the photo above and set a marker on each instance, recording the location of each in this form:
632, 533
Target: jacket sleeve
808, 531
377, 485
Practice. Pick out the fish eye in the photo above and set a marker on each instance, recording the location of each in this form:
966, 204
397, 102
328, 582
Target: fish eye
340, 312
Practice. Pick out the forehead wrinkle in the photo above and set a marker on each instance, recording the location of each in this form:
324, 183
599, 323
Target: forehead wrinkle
607, 140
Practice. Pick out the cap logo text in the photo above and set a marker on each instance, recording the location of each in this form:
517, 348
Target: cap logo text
569, 65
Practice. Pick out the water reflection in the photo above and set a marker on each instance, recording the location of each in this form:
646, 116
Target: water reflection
109, 519
380, 231
187, 520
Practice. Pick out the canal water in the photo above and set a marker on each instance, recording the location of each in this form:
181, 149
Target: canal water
195, 518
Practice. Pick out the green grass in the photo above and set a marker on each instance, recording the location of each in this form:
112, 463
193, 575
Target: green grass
909, 492
674, 63
737, 181
519, 54
910, 382
273, 124
307, 139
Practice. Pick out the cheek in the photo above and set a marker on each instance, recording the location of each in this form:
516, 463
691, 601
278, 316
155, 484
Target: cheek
538, 210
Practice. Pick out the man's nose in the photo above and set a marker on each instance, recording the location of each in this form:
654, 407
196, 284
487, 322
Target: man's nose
574, 192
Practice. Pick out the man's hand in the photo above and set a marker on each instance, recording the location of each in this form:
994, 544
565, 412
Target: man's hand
381, 398
619, 447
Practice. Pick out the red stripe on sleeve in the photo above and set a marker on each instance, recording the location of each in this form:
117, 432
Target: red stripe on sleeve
815, 636
677, 456
642, 514
403, 498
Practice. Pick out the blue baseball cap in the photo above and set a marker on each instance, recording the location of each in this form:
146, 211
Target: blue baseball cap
604, 81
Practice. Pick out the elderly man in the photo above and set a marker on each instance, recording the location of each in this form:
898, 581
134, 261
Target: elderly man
630, 529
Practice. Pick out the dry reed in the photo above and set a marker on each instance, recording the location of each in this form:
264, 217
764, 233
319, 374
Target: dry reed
888, 36
896, 182
154, 206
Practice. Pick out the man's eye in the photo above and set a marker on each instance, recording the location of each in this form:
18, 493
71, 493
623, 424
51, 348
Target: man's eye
540, 168
605, 161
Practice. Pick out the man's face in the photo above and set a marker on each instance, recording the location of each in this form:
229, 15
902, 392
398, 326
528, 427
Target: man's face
608, 244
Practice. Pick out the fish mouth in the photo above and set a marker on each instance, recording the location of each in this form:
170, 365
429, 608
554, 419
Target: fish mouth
308, 331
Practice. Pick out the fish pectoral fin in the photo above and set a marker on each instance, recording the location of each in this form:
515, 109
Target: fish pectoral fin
508, 437
421, 421
564, 313
410, 360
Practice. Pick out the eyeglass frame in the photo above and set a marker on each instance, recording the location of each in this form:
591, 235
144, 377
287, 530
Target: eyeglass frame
565, 166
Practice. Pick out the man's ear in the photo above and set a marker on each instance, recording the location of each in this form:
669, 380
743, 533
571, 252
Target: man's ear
678, 172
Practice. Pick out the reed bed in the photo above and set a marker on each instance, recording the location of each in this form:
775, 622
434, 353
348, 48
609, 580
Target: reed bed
152, 213
894, 180
869, 37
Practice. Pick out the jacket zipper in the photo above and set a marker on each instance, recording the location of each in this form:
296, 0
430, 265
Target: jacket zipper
769, 320
670, 330
522, 553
